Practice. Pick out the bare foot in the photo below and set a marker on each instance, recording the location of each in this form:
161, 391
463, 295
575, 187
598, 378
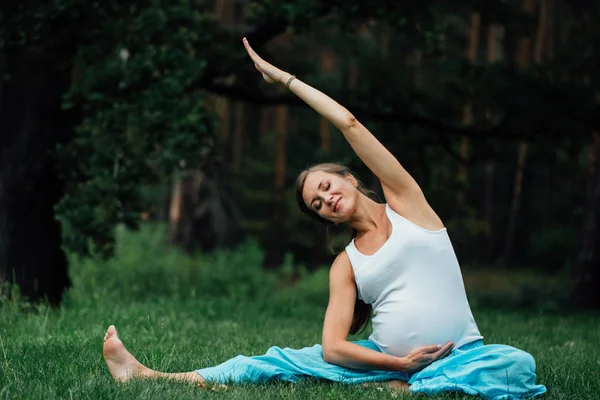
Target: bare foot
122, 365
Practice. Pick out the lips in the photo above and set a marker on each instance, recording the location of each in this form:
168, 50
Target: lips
336, 205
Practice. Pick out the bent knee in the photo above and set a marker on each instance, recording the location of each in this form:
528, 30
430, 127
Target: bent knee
523, 360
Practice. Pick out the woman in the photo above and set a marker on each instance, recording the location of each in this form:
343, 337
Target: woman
400, 262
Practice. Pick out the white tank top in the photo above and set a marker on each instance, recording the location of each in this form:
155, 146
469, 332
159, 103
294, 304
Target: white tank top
416, 289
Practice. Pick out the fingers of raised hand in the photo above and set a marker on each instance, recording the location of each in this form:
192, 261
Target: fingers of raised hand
255, 57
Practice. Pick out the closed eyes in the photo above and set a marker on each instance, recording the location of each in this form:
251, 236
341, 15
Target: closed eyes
320, 203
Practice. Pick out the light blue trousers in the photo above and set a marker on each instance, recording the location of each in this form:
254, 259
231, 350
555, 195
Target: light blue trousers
491, 371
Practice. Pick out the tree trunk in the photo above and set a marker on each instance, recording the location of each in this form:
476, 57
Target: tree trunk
594, 150
524, 54
225, 12
275, 248
543, 35
327, 67
516, 201
266, 117
32, 125
238, 137
587, 273
495, 53
413, 62
222, 111
488, 208
467, 118
175, 211
184, 199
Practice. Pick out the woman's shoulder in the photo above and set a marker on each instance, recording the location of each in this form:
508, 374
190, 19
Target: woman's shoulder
341, 267
419, 214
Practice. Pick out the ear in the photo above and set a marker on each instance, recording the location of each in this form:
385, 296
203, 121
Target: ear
350, 178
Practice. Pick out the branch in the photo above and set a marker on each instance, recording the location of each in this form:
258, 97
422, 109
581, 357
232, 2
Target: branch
264, 33
258, 37
278, 24
216, 68
255, 97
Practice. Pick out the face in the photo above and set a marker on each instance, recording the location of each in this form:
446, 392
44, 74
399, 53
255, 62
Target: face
331, 196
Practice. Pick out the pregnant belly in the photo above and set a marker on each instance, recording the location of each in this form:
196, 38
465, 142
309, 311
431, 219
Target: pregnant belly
398, 334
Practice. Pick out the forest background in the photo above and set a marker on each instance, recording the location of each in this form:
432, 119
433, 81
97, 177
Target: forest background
116, 113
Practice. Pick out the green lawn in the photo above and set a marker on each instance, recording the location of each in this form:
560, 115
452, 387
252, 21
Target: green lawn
48, 353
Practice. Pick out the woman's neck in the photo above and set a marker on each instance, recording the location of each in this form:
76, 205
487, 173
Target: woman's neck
369, 216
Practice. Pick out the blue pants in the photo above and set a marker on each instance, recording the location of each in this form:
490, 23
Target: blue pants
491, 371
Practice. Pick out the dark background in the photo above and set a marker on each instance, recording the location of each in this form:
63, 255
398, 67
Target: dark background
119, 112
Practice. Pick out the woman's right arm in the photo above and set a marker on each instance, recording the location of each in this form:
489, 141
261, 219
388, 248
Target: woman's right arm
338, 318
400, 189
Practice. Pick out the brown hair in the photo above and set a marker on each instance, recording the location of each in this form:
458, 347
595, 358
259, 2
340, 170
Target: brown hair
362, 310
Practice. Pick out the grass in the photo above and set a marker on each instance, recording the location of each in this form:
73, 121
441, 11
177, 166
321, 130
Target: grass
57, 353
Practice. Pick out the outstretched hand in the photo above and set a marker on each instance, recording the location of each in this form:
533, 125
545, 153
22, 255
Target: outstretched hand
421, 357
269, 72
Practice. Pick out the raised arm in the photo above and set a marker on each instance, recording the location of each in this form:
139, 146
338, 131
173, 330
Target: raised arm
379, 160
338, 318
366, 146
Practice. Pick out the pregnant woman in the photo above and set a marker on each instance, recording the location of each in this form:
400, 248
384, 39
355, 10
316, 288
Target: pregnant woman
400, 265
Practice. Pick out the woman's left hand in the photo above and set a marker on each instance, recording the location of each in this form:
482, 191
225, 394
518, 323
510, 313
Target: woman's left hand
421, 357
269, 72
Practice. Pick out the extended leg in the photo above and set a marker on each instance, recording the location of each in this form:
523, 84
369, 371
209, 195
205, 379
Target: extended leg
291, 365
281, 364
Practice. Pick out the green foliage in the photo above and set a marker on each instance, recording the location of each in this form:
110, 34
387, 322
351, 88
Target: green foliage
517, 289
140, 121
138, 117
145, 268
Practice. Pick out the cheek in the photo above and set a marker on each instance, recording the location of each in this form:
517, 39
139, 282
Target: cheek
353, 197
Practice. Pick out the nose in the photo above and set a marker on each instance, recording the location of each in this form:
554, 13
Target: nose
330, 200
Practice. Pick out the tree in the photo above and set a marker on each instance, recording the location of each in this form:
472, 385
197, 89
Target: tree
275, 249
467, 112
32, 124
524, 54
126, 119
587, 273
495, 34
